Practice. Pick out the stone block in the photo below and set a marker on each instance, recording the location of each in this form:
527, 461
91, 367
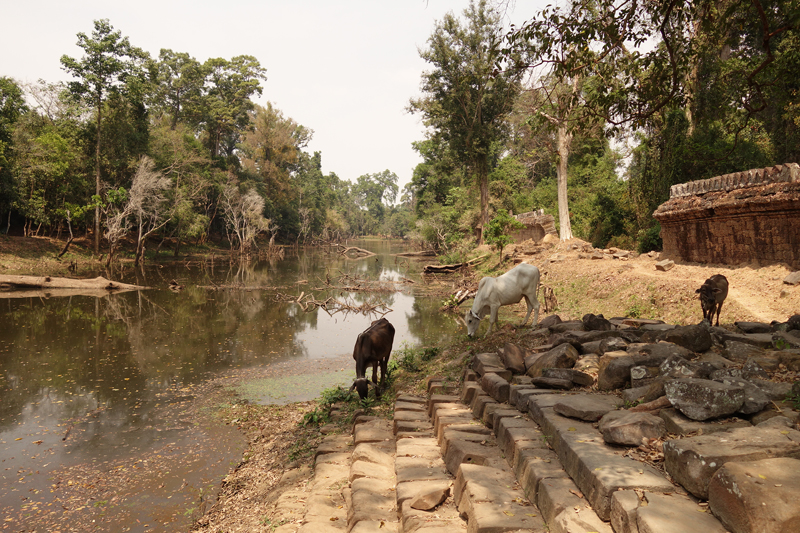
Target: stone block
410, 489
411, 426
693, 460
624, 506
427, 448
703, 399
445, 421
488, 517
532, 465
521, 427
460, 452
448, 409
562, 356
596, 467
677, 422
674, 513
587, 407
482, 361
581, 519
757, 496
451, 434
476, 483
496, 387
556, 494
419, 469
440, 398
479, 404
362, 469
469, 391
334, 444
630, 429
472, 426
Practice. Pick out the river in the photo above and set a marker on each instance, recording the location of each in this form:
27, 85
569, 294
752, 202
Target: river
92, 388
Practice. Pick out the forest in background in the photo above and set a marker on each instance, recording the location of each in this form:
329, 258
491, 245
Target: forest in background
589, 111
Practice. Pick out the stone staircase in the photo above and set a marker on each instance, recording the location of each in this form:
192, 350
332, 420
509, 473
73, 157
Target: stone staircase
489, 457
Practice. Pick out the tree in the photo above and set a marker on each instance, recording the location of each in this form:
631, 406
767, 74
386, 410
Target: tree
12, 107
109, 61
227, 104
243, 214
466, 102
498, 228
147, 203
180, 79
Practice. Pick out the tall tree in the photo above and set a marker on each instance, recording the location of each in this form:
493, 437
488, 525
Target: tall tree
465, 100
12, 106
180, 79
227, 108
109, 61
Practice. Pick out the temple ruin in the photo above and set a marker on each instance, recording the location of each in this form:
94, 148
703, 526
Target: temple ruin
749, 217
537, 225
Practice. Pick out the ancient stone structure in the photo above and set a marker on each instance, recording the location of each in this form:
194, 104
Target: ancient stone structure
537, 225
745, 217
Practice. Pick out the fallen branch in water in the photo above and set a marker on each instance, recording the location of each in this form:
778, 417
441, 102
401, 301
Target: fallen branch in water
439, 269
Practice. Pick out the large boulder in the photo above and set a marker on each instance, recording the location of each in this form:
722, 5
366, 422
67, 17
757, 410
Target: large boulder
596, 323
514, 358
614, 370
703, 399
695, 338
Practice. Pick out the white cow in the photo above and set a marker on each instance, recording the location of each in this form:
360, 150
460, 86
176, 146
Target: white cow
522, 280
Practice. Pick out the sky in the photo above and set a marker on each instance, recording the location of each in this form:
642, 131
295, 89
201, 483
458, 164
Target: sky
345, 69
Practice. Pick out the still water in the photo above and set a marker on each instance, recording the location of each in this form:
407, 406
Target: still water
97, 387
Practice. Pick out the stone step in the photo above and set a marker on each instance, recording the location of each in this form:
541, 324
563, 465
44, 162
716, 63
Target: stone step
373, 483
424, 488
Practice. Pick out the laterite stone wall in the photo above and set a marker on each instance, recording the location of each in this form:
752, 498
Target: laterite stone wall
745, 217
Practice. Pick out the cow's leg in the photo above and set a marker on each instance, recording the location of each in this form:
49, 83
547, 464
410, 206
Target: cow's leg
533, 305
492, 318
379, 389
719, 310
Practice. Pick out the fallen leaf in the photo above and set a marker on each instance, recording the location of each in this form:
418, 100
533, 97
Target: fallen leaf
509, 513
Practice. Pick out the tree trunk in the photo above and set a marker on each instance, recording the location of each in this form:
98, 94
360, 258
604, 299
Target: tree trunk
97, 176
564, 140
483, 184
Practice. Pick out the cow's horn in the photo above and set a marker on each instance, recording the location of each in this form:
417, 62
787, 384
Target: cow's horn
474, 314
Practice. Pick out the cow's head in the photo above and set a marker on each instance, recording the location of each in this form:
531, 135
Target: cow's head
361, 385
473, 321
708, 297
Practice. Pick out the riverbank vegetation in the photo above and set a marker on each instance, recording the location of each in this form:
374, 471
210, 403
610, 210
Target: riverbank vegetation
571, 113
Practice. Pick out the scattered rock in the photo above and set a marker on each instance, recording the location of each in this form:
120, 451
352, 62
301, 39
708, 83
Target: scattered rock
429, 500
665, 265
514, 358
596, 323
585, 407
552, 383
694, 338
793, 278
562, 356
703, 399
582, 379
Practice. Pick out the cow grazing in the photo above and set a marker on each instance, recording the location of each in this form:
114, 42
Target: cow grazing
522, 280
712, 294
373, 348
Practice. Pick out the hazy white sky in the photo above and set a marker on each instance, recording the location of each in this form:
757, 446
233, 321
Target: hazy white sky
345, 69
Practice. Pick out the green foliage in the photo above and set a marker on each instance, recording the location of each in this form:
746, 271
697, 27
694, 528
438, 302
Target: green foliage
496, 230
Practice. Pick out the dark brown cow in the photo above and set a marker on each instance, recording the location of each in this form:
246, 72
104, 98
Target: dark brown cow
373, 347
712, 294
